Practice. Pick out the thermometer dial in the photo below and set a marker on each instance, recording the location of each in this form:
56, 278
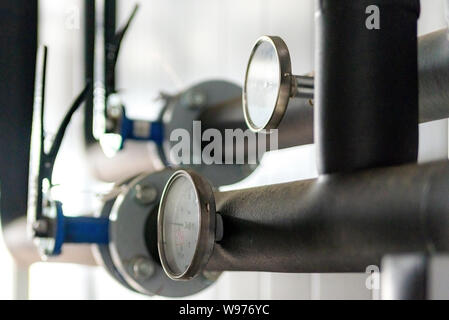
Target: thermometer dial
269, 84
186, 225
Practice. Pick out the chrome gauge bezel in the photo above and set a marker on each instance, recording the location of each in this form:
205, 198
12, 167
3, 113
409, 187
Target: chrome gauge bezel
285, 83
207, 224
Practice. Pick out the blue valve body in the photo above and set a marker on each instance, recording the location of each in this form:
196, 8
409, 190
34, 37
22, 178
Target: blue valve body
79, 230
155, 131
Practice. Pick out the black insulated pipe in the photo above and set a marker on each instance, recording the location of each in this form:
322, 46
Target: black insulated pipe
337, 223
89, 52
366, 85
109, 34
18, 43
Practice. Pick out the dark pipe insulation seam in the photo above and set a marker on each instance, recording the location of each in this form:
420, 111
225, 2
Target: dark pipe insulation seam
336, 223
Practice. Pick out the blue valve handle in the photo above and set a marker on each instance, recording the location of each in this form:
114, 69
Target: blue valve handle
151, 131
155, 131
79, 230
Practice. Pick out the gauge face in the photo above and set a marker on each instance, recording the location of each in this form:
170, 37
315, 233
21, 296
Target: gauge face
180, 225
265, 82
186, 225
262, 83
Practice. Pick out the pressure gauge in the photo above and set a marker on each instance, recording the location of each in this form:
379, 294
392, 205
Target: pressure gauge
186, 225
269, 84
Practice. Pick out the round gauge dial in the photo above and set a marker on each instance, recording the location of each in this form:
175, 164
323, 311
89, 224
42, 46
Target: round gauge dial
181, 225
267, 85
186, 225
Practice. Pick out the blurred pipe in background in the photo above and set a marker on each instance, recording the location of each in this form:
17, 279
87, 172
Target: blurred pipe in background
18, 41
446, 14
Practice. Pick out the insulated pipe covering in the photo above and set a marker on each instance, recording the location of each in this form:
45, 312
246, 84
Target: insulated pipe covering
366, 106
336, 223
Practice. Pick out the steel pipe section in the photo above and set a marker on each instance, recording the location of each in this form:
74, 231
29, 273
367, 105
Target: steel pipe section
336, 223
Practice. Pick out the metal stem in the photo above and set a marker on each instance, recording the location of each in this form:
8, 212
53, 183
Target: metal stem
303, 87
